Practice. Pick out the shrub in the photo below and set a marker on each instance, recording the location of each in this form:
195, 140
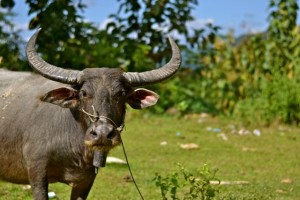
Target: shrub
182, 184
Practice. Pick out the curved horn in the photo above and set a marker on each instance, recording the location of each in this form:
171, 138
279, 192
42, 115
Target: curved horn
47, 70
156, 75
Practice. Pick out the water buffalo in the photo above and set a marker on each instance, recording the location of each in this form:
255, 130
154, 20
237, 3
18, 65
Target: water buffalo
59, 127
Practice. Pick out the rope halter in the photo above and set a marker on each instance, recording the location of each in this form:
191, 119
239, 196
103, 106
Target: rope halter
95, 117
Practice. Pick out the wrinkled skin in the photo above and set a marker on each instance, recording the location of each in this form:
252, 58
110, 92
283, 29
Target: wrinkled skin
45, 137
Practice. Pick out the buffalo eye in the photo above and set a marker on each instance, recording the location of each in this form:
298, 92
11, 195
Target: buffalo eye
119, 95
83, 94
123, 93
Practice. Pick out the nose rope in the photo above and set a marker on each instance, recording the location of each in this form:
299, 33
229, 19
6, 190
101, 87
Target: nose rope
95, 117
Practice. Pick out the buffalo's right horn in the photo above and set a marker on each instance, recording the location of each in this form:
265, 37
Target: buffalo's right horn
47, 70
156, 75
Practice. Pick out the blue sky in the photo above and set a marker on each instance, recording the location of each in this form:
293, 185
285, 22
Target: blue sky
243, 16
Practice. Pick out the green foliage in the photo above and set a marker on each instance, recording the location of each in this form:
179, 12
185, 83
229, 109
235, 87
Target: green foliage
185, 93
250, 76
131, 41
279, 102
68, 40
182, 184
66, 37
10, 41
247, 77
278, 84
147, 23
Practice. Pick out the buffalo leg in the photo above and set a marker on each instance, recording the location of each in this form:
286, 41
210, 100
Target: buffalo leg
38, 182
81, 190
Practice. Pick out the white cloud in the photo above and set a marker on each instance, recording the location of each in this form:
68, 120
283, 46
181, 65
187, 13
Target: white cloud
103, 24
161, 28
199, 23
192, 25
22, 26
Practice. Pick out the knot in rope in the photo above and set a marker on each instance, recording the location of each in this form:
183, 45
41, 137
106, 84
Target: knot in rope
95, 117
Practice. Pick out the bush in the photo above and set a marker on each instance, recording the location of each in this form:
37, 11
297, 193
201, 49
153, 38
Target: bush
182, 184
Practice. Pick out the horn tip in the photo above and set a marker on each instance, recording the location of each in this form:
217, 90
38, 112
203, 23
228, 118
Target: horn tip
38, 31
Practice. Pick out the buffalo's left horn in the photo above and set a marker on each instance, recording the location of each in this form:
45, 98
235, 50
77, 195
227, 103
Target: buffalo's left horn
47, 70
156, 75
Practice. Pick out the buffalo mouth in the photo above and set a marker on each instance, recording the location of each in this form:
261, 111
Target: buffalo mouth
102, 144
99, 146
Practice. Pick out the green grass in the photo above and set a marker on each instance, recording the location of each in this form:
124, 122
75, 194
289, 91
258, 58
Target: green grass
264, 161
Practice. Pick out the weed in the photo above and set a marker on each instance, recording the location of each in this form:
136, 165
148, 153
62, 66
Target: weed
190, 186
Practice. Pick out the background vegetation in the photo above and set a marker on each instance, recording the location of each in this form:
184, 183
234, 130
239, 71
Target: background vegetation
254, 77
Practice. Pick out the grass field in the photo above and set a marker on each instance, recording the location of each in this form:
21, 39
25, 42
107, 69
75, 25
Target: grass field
270, 162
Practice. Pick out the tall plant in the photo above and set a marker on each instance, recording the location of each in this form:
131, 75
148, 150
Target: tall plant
278, 98
10, 41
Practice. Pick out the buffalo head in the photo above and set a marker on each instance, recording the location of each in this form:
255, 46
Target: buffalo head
97, 96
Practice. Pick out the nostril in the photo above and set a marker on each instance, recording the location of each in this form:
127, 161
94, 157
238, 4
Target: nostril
93, 133
111, 135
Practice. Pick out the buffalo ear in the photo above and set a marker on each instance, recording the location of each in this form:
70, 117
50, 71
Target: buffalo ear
142, 98
63, 97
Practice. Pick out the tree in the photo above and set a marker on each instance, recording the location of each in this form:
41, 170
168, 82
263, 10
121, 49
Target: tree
10, 41
71, 42
67, 40
143, 26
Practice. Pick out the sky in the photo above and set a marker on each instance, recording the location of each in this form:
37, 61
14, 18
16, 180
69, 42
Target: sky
243, 16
